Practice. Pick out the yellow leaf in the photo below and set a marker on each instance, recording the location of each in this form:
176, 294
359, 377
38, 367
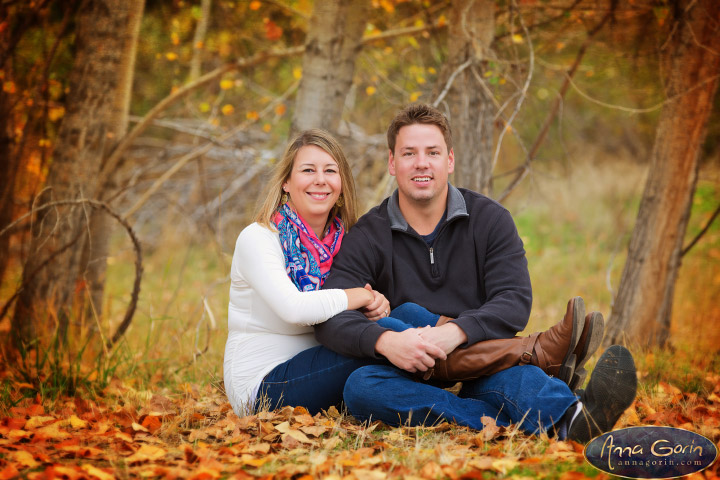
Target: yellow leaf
252, 115
204, 107
388, 50
226, 84
370, 90
517, 38
24, 458
297, 73
255, 5
37, 422
77, 423
174, 38
56, 113
227, 109
414, 96
172, 56
267, 127
97, 473
432, 70
420, 79
280, 109
52, 431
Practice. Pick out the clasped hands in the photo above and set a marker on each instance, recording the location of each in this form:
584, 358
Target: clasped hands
416, 349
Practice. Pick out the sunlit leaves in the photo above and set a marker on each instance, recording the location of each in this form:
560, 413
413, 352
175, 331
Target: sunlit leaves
227, 109
255, 5
370, 90
226, 84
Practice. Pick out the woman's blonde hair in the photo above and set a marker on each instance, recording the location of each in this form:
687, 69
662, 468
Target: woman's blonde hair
281, 173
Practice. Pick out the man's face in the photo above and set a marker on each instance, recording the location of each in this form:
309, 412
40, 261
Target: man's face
421, 164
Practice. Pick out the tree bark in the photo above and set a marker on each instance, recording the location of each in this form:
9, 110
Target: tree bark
89, 129
97, 248
333, 43
691, 60
469, 106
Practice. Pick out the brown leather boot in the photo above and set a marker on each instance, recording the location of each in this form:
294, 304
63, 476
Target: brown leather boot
590, 339
553, 351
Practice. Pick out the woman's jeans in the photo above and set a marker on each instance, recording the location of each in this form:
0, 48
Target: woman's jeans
315, 378
376, 390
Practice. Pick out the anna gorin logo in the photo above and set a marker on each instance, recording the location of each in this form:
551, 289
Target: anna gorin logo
651, 452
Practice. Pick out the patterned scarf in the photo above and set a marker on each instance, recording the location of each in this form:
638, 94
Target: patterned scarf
307, 258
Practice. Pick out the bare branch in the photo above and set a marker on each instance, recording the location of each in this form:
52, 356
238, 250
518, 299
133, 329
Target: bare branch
555, 108
699, 235
136, 246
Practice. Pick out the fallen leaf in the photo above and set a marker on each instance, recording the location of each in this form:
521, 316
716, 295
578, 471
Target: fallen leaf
77, 423
97, 473
146, 453
37, 422
23, 458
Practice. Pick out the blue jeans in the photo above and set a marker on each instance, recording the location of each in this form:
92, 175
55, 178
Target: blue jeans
315, 378
523, 395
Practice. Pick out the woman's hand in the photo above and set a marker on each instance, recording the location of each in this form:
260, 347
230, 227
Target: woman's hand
378, 308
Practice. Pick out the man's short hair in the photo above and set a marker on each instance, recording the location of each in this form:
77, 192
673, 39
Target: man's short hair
419, 113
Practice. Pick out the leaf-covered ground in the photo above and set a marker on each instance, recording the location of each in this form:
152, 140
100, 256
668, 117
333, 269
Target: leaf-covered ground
195, 434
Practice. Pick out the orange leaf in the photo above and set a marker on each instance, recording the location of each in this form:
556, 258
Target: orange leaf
9, 472
152, 423
272, 30
255, 5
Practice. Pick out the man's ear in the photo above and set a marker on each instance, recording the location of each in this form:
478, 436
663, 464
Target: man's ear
451, 161
391, 163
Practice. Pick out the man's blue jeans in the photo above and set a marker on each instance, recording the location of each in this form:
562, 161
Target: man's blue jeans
523, 395
315, 378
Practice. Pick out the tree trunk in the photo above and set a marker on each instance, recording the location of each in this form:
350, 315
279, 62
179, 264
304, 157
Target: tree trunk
333, 42
89, 129
641, 313
96, 250
468, 104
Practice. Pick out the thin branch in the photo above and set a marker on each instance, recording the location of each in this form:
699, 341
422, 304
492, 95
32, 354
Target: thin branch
702, 232
115, 157
450, 81
136, 246
555, 108
203, 150
523, 94
641, 110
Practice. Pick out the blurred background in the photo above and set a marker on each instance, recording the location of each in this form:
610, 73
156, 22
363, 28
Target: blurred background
594, 122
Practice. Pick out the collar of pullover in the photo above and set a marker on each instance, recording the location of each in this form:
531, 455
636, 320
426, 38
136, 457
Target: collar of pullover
455, 208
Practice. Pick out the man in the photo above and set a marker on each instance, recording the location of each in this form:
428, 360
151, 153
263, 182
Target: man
458, 254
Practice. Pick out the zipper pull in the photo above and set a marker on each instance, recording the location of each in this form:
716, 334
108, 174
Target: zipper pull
432, 257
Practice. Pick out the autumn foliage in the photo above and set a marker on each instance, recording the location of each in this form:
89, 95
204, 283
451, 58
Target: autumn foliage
194, 434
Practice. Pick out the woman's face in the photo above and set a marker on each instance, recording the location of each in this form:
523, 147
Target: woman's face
314, 185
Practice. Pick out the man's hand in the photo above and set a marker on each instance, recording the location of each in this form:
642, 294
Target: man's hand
447, 336
378, 308
407, 350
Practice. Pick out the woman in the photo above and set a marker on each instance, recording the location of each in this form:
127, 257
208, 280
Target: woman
279, 264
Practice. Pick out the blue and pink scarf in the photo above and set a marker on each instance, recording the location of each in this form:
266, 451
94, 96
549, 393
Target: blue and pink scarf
307, 258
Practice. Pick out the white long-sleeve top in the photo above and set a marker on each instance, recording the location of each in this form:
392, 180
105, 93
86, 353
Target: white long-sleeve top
269, 319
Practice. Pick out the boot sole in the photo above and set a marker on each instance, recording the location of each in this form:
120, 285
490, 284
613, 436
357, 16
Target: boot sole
592, 342
567, 369
615, 380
